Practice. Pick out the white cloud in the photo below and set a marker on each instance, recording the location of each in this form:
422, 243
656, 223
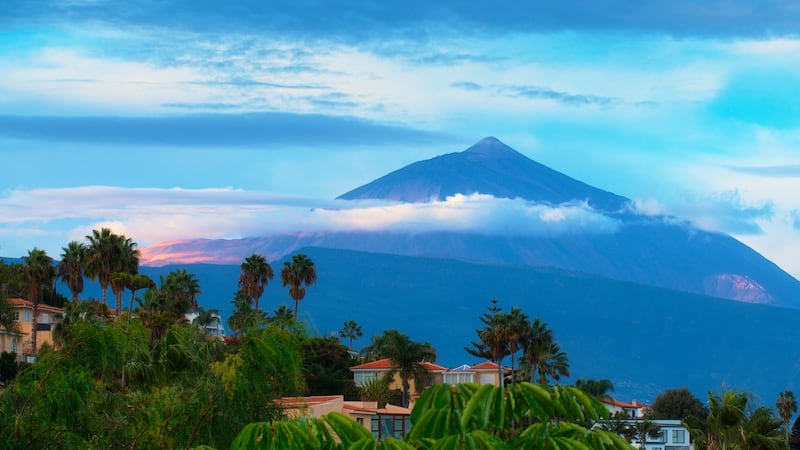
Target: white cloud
155, 215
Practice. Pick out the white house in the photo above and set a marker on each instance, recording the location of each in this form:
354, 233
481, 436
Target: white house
215, 328
671, 436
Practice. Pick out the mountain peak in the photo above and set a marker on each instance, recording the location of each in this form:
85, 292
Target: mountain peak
491, 146
488, 167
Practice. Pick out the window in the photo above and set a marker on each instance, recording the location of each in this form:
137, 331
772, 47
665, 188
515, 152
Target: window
362, 378
360, 420
13, 345
678, 436
26, 317
390, 425
44, 318
458, 378
16, 315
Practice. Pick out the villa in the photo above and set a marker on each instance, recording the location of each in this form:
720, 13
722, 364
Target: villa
389, 421
20, 340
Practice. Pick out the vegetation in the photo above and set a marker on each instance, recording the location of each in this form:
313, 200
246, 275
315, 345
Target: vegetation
407, 358
678, 404
298, 274
151, 379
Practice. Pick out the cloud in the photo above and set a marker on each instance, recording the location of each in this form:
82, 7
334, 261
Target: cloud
724, 212
540, 93
355, 20
785, 171
156, 215
212, 130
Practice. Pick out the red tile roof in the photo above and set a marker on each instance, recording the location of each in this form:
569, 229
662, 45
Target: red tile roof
386, 364
487, 365
19, 302
611, 401
304, 402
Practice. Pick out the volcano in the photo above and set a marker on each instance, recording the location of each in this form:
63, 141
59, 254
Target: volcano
651, 250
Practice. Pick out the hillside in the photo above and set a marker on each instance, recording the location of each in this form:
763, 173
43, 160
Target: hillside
644, 338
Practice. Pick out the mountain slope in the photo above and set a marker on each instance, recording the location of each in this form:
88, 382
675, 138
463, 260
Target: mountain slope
488, 167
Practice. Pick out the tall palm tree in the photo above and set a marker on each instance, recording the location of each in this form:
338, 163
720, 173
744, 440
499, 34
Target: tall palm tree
244, 317
517, 330
72, 266
351, 330
108, 253
99, 257
39, 274
254, 277
492, 338
406, 356
283, 318
297, 275
537, 340
787, 406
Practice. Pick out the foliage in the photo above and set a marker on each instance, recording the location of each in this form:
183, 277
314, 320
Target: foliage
298, 274
462, 416
733, 423
376, 390
786, 405
71, 267
350, 330
326, 367
8, 367
678, 404
407, 357
596, 388
254, 277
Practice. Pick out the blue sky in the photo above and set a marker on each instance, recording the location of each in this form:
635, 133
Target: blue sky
183, 119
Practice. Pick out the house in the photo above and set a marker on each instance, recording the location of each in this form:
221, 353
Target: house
214, 328
11, 341
672, 435
375, 370
23, 315
633, 409
389, 421
483, 373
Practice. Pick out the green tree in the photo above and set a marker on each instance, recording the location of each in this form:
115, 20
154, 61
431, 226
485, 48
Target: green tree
535, 346
107, 253
376, 390
350, 330
406, 356
283, 318
598, 389
678, 404
254, 277
71, 267
298, 275
554, 364
244, 317
326, 367
492, 338
733, 424
135, 283
39, 273
517, 330
787, 406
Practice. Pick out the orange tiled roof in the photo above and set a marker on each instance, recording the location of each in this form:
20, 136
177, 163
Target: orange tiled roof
19, 302
386, 364
611, 401
487, 365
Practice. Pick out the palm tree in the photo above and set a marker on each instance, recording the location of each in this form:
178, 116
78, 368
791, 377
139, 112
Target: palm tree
598, 389
126, 261
39, 273
351, 330
492, 338
244, 317
299, 273
729, 426
787, 406
406, 356
554, 364
282, 318
536, 342
71, 267
99, 256
517, 330
135, 283
254, 277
